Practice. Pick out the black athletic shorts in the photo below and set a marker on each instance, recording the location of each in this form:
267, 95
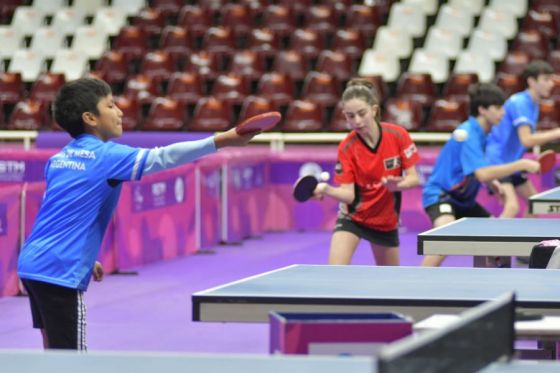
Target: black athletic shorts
388, 239
60, 311
516, 179
445, 208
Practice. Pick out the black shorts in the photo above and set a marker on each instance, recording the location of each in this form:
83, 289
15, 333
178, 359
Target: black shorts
516, 179
388, 239
60, 311
445, 208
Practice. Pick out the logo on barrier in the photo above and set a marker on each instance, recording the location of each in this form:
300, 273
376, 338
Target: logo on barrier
12, 170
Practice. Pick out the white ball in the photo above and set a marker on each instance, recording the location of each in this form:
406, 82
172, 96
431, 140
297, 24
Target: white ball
325, 176
460, 135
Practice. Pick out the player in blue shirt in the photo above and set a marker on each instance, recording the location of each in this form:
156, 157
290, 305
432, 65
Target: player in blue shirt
84, 181
517, 131
450, 192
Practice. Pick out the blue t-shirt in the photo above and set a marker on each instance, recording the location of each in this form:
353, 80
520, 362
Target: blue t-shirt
504, 145
83, 187
453, 177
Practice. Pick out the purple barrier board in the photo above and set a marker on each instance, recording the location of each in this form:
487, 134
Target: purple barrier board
19, 166
285, 213
335, 333
245, 193
209, 202
155, 218
10, 204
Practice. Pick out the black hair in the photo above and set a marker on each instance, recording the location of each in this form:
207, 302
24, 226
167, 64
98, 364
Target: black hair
362, 89
485, 95
76, 98
536, 68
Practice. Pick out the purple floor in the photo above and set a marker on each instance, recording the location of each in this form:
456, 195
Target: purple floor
151, 311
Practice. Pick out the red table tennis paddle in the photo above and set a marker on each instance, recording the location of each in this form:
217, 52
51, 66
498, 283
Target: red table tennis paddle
547, 159
258, 123
304, 188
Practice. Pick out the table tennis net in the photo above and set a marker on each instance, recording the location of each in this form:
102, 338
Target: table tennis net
481, 335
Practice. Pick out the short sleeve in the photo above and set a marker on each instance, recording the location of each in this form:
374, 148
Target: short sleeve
472, 155
409, 152
520, 114
124, 162
344, 169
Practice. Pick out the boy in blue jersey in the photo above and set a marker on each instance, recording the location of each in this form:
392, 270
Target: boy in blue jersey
84, 180
461, 167
517, 131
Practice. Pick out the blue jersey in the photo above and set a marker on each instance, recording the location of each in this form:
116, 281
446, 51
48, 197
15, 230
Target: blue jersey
83, 187
453, 177
504, 145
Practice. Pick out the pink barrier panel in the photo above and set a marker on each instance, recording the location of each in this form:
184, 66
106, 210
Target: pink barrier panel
282, 211
33, 199
9, 238
155, 218
17, 166
245, 194
209, 176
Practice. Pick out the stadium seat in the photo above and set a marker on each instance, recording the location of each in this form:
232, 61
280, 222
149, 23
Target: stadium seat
364, 19
501, 22
131, 119
71, 63
113, 68
474, 7
230, 88
177, 42
204, 63
90, 41
132, 41
409, 18
11, 92
46, 41
515, 62
88, 7
10, 40
393, 40
303, 116
45, 88
446, 115
484, 42
151, 20
238, 18
109, 19
443, 41
298, 7
28, 115
338, 122
195, 19
533, 43
248, 64
264, 41
277, 88
321, 18
220, 41
27, 20
158, 65
67, 20
435, 64
166, 114
280, 19
417, 87
509, 83
405, 112
210, 114
385, 64
456, 19
554, 60
292, 63
186, 87
321, 88
28, 64
350, 42
544, 22
254, 105
549, 114
429, 7
335, 63
308, 42
130, 7
142, 89
48, 7
457, 86
517, 7
168, 8
7, 8
481, 64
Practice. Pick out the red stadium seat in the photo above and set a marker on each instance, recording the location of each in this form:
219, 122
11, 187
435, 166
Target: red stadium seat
230, 88
185, 87
543, 22
131, 118
28, 115
210, 114
158, 65
335, 63
533, 43
549, 115
167, 7
132, 41
238, 18
297, 7
166, 114
277, 88
248, 64
11, 88
254, 105
554, 60
264, 41
303, 116
220, 41
308, 42
509, 83
457, 86
321, 18
404, 112
446, 115
177, 42
142, 88
364, 18
150, 20
291, 63
515, 62
204, 63
338, 121
350, 42
418, 87
45, 88
280, 19
113, 68
321, 88
196, 20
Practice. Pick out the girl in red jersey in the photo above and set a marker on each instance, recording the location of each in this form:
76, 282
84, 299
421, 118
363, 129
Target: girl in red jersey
375, 162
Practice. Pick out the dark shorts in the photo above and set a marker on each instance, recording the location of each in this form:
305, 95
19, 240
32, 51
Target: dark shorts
60, 311
516, 179
445, 208
388, 239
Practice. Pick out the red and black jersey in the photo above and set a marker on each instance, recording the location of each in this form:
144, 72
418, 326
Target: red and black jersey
363, 166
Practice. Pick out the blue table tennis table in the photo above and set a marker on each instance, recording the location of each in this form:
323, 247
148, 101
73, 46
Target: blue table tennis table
547, 202
488, 237
419, 292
